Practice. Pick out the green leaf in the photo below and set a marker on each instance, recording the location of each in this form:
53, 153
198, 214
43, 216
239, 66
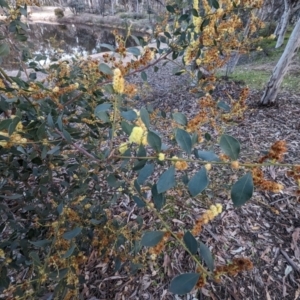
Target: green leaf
198, 182
4, 124
127, 128
184, 140
204, 24
184, 283
35, 258
206, 255
103, 107
41, 132
3, 3
67, 136
195, 13
207, 136
135, 51
141, 151
207, 155
190, 242
145, 117
4, 279
138, 201
113, 181
144, 76
170, 9
60, 208
110, 47
183, 17
71, 234
242, 190
145, 173
230, 146
152, 238
50, 121
223, 105
105, 69
154, 141
179, 118
158, 199
102, 115
4, 50
41, 243
214, 4
166, 181
167, 34
70, 251
129, 115
13, 125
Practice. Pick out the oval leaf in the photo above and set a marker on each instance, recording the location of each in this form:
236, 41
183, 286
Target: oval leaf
145, 173
179, 118
40, 243
4, 49
158, 199
129, 115
135, 51
105, 69
184, 140
102, 107
154, 141
69, 252
206, 255
71, 234
166, 181
190, 242
230, 146
207, 155
242, 190
139, 202
144, 76
198, 182
184, 283
145, 117
152, 238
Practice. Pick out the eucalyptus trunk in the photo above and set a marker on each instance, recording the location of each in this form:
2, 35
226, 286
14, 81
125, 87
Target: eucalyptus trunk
284, 22
273, 86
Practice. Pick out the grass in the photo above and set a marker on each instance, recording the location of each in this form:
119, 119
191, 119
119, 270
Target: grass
256, 77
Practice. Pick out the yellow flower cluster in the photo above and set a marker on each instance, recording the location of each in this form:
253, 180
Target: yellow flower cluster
123, 147
15, 138
139, 132
197, 21
118, 81
138, 136
161, 156
209, 215
191, 52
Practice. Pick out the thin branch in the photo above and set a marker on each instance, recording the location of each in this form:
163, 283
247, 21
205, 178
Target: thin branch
129, 74
80, 149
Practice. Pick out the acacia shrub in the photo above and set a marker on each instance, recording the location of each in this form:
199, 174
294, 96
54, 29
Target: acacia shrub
72, 148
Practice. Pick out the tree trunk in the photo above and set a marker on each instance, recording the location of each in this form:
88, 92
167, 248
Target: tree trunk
284, 23
282, 67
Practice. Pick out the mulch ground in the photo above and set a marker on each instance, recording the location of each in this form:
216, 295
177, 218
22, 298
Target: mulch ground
266, 229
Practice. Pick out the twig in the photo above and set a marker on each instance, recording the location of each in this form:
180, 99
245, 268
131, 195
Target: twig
80, 149
129, 74
290, 261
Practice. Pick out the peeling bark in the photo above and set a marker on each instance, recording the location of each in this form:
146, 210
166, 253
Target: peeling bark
284, 23
282, 67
